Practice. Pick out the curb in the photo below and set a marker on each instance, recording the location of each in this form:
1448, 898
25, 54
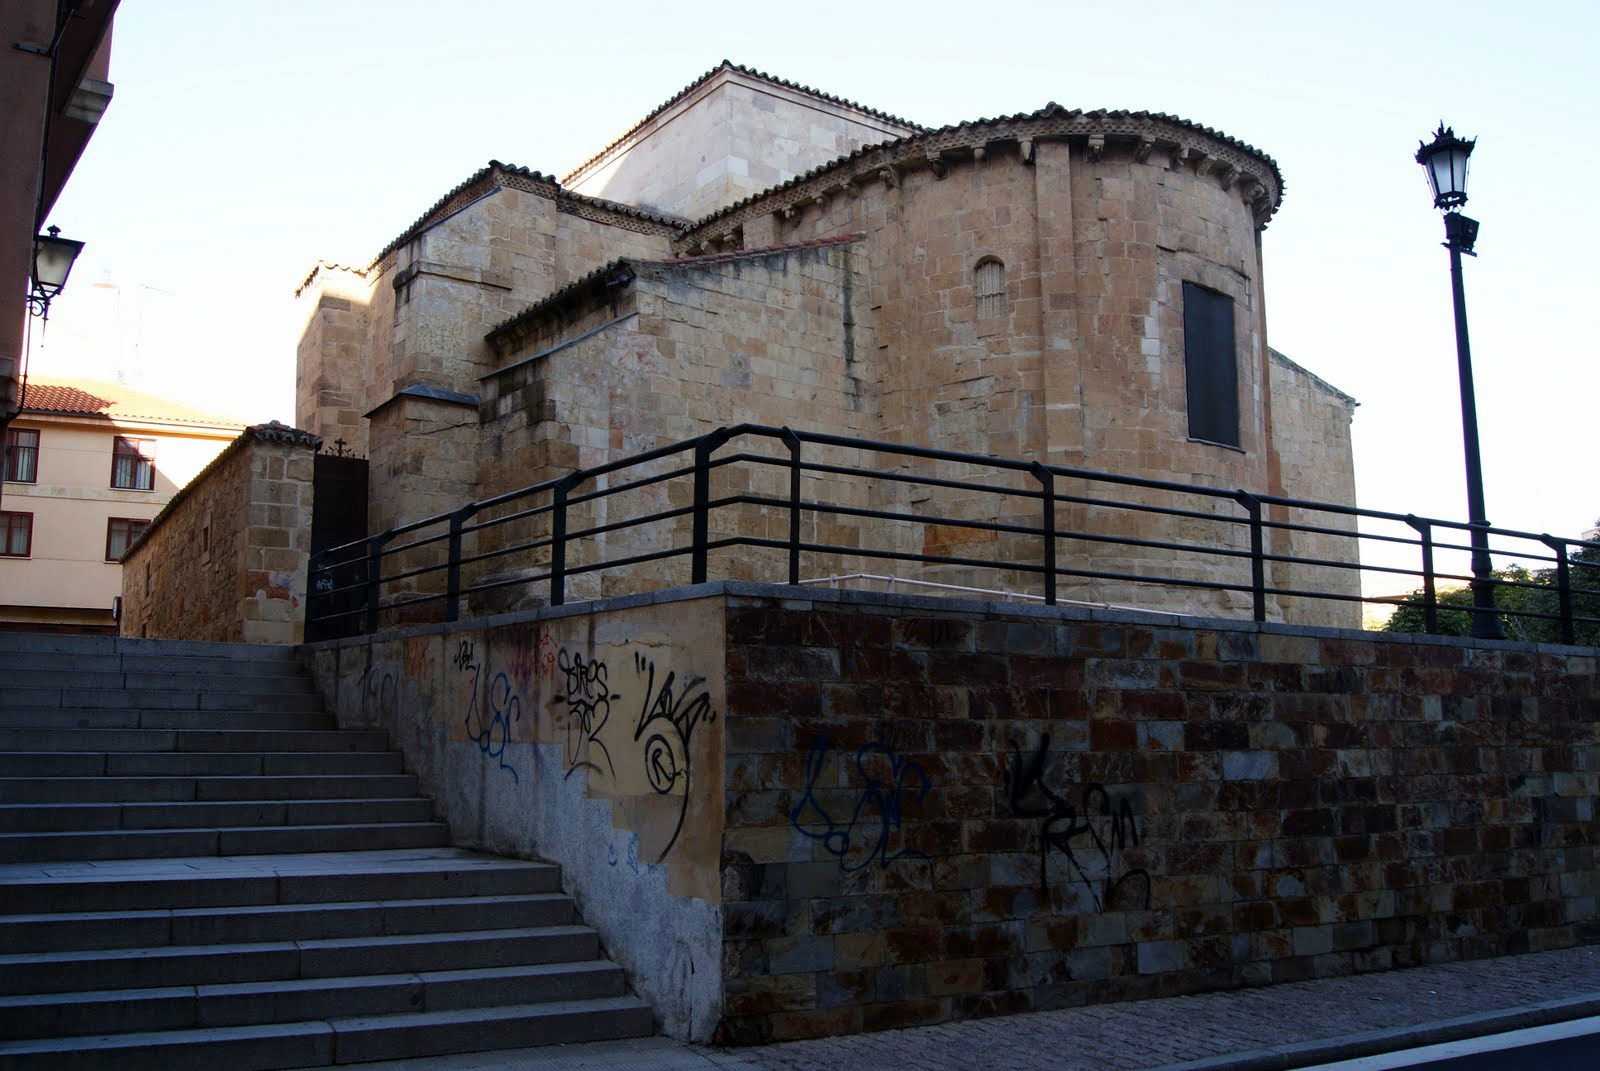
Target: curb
1375, 1042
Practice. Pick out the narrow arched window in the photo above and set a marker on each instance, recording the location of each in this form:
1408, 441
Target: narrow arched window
990, 284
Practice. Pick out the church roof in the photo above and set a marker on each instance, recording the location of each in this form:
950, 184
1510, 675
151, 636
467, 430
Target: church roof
480, 182
1098, 117
729, 65
91, 398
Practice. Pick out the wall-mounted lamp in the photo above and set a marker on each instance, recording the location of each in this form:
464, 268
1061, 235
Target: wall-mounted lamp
53, 257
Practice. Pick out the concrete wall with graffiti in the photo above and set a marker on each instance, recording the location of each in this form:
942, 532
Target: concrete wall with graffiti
593, 741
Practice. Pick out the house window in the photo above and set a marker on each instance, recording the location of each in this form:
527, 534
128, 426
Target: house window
16, 535
22, 455
990, 283
1210, 366
120, 535
132, 464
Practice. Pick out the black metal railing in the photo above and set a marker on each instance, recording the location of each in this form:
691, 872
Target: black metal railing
1136, 534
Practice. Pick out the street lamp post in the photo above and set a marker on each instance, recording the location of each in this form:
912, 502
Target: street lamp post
1445, 159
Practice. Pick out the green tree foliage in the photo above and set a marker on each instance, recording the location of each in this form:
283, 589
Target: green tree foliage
1539, 596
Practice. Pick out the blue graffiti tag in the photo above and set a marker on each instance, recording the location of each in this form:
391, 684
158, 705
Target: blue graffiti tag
877, 814
505, 706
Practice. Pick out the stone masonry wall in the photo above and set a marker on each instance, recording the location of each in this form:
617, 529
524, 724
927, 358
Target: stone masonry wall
226, 559
941, 814
688, 347
1318, 417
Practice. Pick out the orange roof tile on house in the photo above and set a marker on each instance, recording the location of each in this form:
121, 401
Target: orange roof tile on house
81, 397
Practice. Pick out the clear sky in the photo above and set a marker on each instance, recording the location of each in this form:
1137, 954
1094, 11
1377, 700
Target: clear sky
248, 140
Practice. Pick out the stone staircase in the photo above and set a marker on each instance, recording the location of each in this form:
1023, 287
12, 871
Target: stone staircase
198, 870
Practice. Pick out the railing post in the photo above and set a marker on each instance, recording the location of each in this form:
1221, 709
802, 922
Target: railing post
314, 602
1430, 594
703, 449
1258, 564
1563, 587
375, 546
558, 536
452, 574
1047, 528
792, 441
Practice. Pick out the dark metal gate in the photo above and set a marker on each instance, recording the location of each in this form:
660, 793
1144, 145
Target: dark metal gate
339, 515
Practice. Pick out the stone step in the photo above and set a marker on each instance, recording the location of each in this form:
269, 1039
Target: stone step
71, 817
134, 718
161, 699
242, 840
260, 1047
196, 763
179, 965
242, 1003
193, 740
79, 678
61, 931
271, 666
131, 885
24, 643
156, 789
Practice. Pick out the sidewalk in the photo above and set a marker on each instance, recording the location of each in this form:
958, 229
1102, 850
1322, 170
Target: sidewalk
1277, 1027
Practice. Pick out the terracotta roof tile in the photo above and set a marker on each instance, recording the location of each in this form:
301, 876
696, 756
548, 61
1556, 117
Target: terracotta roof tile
77, 397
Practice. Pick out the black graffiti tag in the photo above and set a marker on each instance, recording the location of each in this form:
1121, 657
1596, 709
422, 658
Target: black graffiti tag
668, 715
1090, 835
588, 697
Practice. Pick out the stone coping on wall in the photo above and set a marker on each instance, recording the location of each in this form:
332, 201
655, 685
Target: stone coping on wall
800, 597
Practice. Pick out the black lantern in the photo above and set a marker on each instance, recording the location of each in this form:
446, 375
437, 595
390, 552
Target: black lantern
52, 263
1446, 162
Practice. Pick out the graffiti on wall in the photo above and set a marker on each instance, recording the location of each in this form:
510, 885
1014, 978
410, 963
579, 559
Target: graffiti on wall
623, 715
877, 812
491, 709
671, 706
668, 716
628, 856
588, 697
1091, 835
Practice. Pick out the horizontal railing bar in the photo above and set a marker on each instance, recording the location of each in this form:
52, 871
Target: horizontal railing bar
521, 514
632, 485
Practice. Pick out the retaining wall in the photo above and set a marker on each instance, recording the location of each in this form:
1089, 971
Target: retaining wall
901, 810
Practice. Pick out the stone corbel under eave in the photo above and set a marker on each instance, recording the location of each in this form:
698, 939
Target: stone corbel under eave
1097, 147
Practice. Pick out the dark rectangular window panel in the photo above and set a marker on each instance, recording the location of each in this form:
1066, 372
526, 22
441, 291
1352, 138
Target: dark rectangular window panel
133, 466
120, 535
1210, 366
16, 535
22, 455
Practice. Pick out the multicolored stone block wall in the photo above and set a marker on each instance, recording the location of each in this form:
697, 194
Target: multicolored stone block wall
936, 815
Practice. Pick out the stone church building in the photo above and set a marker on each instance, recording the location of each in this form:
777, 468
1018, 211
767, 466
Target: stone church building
1082, 289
